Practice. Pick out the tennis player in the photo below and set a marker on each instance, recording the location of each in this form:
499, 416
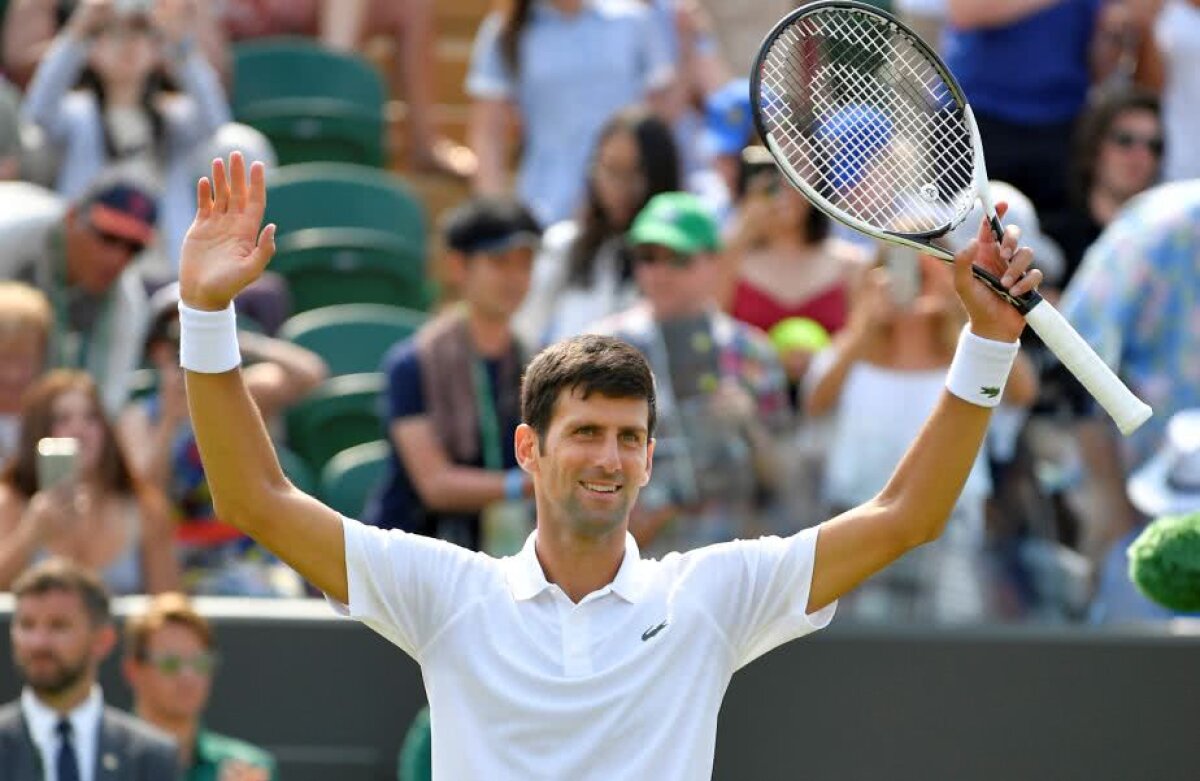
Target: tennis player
575, 658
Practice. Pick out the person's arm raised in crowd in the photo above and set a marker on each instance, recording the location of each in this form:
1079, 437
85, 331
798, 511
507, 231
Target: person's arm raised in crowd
148, 443
489, 134
983, 14
59, 66
29, 27
285, 373
912, 509
872, 305
223, 253
160, 568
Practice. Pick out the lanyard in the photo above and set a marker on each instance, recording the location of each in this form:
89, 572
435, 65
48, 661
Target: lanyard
489, 421
73, 348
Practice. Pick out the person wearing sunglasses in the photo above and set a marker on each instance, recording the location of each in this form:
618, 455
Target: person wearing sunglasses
1118, 154
170, 660
721, 387
79, 253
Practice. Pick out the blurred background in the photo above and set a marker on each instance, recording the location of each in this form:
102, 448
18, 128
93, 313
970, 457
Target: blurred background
486, 160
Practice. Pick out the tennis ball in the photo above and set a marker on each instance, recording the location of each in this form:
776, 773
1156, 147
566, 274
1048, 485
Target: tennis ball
1164, 562
798, 333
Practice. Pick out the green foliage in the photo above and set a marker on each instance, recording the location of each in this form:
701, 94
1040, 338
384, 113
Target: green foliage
1164, 562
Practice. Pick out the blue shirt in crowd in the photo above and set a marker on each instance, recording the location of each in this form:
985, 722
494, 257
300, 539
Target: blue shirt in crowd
397, 505
1032, 72
574, 72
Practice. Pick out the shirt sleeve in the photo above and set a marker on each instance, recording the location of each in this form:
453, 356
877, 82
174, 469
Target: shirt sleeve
489, 76
406, 586
1101, 301
405, 398
756, 591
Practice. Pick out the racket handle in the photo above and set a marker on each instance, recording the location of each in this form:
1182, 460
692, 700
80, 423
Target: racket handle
1127, 410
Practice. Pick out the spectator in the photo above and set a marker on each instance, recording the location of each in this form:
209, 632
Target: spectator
721, 390
1134, 300
123, 113
561, 68
1118, 154
686, 30
78, 254
781, 262
889, 364
344, 25
30, 27
99, 516
1177, 33
453, 387
60, 728
1167, 484
25, 323
1026, 123
728, 128
170, 659
156, 432
584, 270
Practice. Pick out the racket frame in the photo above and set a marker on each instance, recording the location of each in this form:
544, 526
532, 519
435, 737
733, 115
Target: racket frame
1128, 411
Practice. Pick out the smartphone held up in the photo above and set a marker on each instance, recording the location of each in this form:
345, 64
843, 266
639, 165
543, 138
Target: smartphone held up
57, 461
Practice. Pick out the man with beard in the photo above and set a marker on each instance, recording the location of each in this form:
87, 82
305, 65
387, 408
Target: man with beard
60, 729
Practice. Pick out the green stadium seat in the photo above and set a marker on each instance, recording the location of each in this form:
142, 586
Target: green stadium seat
350, 476
296, 470
352, 338
312, 102
326, 266
310, 130
343, 412
341, 195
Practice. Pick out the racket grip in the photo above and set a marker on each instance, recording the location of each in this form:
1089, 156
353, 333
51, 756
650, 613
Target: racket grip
1127, 410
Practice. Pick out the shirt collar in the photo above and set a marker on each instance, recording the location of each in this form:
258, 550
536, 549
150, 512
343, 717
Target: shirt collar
43, 720
526, 579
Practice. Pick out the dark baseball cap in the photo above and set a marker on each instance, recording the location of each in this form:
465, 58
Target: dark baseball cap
490, 225
121, 204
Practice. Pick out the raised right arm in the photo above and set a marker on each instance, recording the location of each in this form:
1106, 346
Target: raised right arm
223, 253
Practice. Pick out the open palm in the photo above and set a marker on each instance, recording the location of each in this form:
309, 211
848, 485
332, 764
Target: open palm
224, 251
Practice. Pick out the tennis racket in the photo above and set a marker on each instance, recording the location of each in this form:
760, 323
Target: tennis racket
868, 122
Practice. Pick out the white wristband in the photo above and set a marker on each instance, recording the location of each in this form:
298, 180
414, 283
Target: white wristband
980, 368
208, 341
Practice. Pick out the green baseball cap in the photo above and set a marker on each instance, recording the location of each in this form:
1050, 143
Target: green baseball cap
677, 221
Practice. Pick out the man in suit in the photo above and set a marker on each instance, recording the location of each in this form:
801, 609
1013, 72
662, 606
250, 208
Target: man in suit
60, 729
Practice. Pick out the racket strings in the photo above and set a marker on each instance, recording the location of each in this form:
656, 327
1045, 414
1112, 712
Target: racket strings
867, 122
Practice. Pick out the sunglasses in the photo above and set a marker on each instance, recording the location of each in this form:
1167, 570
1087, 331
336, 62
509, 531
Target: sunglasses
1126, 140
173, 664
650, 254
129, 245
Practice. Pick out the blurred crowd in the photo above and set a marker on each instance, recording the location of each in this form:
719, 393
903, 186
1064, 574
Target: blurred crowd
612, 182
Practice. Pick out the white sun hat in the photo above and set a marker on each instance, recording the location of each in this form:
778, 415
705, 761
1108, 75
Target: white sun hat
1169, 483
1047, 255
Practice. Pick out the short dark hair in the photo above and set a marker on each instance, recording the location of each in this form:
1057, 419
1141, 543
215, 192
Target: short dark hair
61, 574
487, 224
586, 364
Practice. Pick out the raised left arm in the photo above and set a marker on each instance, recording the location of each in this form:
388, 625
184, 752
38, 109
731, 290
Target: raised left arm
913, 507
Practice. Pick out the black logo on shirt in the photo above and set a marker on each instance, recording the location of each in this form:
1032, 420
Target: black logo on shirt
652, 631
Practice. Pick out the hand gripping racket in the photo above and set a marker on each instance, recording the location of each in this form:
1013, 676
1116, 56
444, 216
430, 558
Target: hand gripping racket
866, 120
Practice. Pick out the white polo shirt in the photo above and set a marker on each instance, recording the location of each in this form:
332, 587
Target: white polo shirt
626, 684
